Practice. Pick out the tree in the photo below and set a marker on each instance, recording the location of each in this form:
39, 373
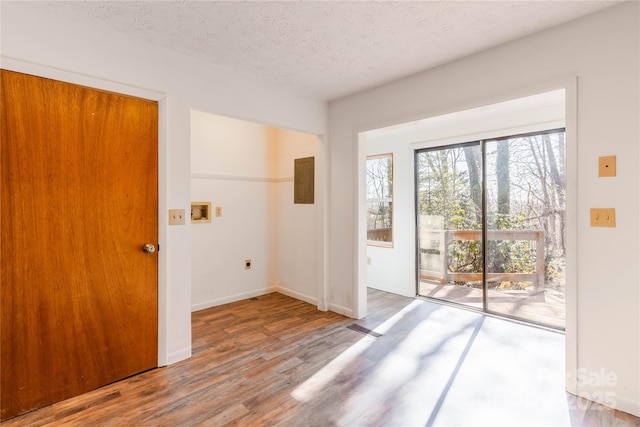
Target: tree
472, 157
503, 178
444, 183
379, 184
525, 190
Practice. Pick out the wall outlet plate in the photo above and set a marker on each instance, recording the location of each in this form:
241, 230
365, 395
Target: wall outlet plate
176, 216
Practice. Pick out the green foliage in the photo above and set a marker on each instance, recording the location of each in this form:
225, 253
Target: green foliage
465, 256
524, 191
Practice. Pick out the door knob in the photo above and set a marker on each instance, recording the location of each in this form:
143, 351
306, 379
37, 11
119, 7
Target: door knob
148, 248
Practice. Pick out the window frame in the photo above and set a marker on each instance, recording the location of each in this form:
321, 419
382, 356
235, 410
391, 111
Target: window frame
380, 243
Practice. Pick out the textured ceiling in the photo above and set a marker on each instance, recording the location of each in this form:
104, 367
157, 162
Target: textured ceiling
326, 49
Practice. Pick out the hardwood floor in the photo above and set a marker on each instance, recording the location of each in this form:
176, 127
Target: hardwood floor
274, 360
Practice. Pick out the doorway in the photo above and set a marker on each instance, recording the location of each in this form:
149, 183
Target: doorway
534, 110
491, 221
246, 171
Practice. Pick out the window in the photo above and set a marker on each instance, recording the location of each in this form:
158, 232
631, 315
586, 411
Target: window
380, 199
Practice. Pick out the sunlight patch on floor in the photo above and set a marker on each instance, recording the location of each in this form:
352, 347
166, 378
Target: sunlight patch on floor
307, 390
415, 373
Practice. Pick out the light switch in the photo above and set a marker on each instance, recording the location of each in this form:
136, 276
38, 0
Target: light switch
603, 217
607, 166
176, 216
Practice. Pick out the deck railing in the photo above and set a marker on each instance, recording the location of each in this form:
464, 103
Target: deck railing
443, 237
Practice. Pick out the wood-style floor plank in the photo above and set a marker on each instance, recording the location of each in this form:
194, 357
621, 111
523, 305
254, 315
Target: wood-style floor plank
277, 361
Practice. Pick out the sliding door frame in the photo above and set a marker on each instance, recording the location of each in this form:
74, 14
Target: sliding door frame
483, 167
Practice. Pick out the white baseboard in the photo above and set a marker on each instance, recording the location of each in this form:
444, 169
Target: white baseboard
345, 311
232, 298
620, 403
297, 295
178, 356
628, 406
341, 310
405, 292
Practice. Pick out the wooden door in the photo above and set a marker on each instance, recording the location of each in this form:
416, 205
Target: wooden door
78, 201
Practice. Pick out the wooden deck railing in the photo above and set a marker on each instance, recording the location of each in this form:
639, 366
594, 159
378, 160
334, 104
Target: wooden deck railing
445, 236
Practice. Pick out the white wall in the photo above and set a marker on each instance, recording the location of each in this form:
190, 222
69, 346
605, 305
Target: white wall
233, 167
247, 169
602, 51
52, 46
393, 269
299, 226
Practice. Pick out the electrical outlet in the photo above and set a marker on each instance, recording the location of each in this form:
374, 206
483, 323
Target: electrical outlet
247, 264
603, 217
607, 166
218, 211
176, 216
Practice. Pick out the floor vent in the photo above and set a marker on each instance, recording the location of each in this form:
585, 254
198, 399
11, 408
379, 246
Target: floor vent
364, 330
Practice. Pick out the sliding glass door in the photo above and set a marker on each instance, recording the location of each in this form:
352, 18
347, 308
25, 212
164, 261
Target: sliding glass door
491, 225
526, 221
449, 219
